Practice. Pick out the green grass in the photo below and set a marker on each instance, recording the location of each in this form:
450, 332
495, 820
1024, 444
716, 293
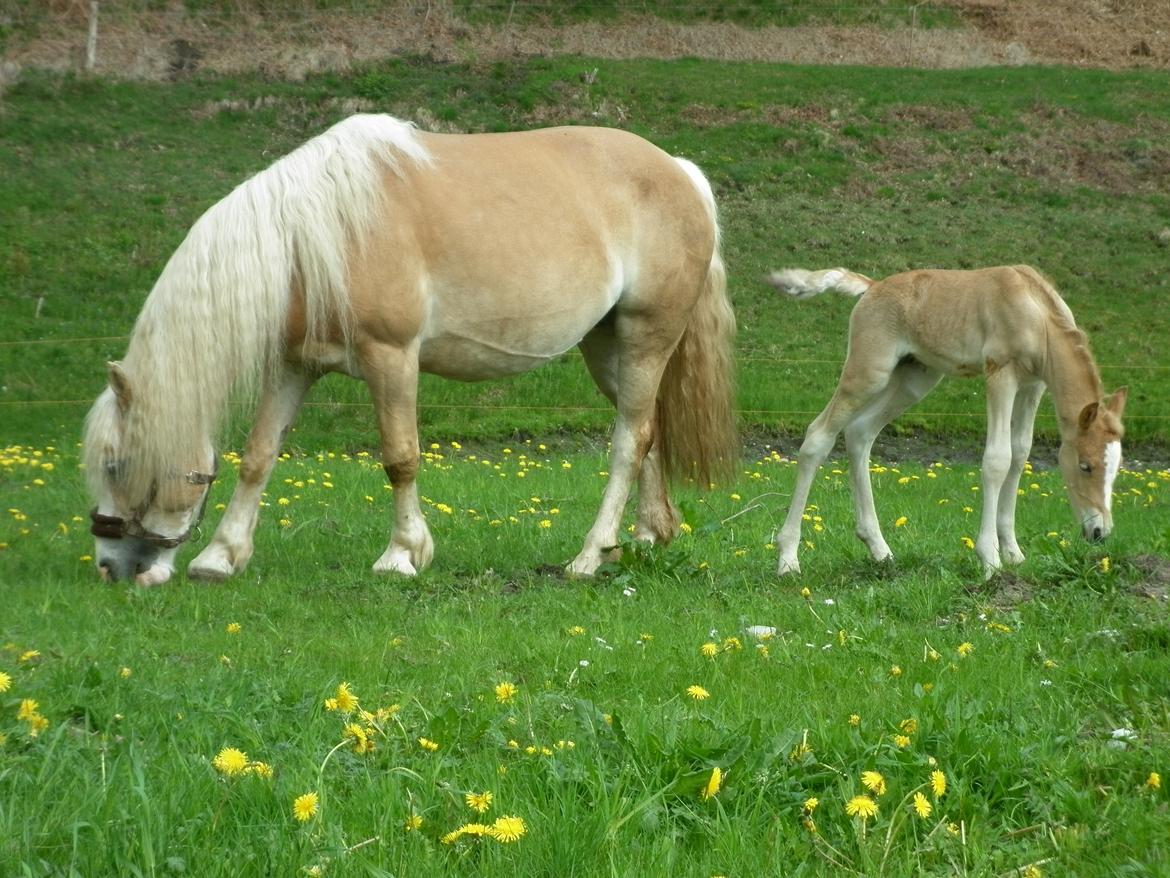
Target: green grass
121, 781
879, 170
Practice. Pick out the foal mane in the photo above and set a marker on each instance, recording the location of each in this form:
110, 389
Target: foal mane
1063, 330
214, 322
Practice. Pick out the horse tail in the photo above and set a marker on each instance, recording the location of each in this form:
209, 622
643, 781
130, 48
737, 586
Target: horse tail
695, 412
802, 284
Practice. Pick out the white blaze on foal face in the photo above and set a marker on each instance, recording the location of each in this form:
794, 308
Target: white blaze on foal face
1112, 467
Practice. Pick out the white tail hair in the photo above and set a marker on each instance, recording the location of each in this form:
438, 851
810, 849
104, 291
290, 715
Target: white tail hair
216, 317
802, 284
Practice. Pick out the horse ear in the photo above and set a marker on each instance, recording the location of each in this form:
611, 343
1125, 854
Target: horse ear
120, 384
1116, 402
1088, 415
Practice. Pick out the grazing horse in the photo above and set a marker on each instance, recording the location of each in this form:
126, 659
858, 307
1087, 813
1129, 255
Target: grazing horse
380, 251
909, 330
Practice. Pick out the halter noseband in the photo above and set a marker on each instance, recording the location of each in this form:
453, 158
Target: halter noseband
114, 527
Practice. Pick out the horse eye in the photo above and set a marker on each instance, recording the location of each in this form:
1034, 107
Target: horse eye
115, 469
1086, 467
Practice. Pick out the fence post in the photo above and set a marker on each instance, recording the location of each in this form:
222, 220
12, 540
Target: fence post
91, 42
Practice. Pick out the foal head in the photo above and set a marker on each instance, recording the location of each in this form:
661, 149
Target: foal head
149, 488
1090, 460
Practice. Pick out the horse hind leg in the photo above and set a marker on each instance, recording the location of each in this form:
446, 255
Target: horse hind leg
231, 547
391, 372
657, 518
641, 357
909, 383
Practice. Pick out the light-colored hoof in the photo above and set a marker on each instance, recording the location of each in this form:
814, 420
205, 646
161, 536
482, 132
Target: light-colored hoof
787, 567
211, 566
585, 564
1012, 556
645, 535
156, 575
395, 559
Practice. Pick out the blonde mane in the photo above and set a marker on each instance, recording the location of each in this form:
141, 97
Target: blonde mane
213, 323
1062, 328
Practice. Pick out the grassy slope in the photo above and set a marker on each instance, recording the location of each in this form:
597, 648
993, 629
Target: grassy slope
876, 169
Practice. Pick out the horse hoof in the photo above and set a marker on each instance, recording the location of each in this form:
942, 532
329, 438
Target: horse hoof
395, 560
788, 567
210, 569
583, 567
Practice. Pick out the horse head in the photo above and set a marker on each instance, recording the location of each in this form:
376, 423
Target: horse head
146, 505
1090, 459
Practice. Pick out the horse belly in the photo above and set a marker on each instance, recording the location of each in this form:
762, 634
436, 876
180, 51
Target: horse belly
464, 358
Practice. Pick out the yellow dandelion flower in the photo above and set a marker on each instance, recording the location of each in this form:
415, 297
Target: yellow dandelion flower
1032, 871
874, 782
965, 648
575, 631
230, 761
1154, 782
938, 784
479, 802
968, 543
810, 804
27, 710
805, 593
1105, 564
901, 522
909, 726
546, 523
233, 628
428, 745
895, 671
901, 741
953, 828
922, 806
345, 700
854, 719
713, 783
698, 693
260, 769
412, 823
476, 830
709, 650
304, 807
505, 692
5, 682
125, 673
36, 725
861, 806
30, 655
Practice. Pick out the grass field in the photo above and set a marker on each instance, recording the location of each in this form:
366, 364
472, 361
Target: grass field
174, 729
1019, 691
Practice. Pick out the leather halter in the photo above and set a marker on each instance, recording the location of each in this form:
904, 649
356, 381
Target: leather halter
114, 527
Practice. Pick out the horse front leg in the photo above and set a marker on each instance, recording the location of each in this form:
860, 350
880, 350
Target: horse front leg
231, 547
392, 375
1023, 421
1002, 387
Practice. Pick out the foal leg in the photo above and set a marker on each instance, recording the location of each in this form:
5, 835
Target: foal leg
1002, 388
231, 546
658, 519
392, 375
909, 383
642, 356
1023, 419
860, 383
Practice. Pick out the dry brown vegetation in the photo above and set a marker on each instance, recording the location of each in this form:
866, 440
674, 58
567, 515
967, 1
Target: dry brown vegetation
171, 44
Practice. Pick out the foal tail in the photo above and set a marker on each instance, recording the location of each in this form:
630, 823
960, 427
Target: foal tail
695, 411
802, 284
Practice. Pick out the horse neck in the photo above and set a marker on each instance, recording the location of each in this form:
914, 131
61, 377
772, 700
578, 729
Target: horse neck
1071, 376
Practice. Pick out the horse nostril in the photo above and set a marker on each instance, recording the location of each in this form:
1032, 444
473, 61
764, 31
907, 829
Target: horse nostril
1096, 534
105, 571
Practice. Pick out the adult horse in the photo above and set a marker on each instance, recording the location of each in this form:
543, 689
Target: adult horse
381, 251
1008, 324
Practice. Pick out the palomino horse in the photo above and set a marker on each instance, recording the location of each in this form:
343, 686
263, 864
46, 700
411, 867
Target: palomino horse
1007, 323
381, 251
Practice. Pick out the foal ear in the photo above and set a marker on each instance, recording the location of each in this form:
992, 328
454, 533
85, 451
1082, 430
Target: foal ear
1088, 415
1116, 402
120, 384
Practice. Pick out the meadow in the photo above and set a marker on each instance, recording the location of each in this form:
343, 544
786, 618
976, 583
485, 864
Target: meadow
685, 713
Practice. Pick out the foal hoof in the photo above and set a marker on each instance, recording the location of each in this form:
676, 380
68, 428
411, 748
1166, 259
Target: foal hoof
395, 560
788, 567
210, 569
156, 575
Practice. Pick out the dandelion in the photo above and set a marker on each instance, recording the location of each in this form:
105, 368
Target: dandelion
805, 593
874, 782
505, 692
938, 784
968, 543
810, 804
5, 682
895, 671
713, 783
345, 700
698, 693
125, 673
965, 649
901, 741
260, 769
922, 806
709, 650
1154, 782
854, 720
1032, 871
233, 628
412, 823
575, 631
545, 523
304, 807
908, 726
478, 802
1105, 564
230, 761
30, 655
428, 745
508, 829
861, 806
476, 830
901, 522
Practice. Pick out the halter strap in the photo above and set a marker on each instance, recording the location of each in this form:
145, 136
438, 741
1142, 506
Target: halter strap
114, 527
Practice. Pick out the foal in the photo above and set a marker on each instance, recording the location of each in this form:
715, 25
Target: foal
909, 330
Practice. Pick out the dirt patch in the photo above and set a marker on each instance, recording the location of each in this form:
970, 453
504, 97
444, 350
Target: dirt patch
1155, 581
1004, 591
